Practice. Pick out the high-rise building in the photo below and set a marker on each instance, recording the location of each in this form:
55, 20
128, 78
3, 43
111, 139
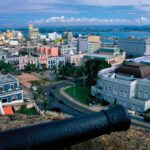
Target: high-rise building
93, 43
33, 32
82, 45
68, 36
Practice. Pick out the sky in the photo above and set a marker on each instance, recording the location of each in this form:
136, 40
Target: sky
74, 12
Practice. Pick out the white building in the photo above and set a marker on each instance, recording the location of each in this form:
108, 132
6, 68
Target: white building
128, 85
75, 59
2, 56
135, 47
54, 36
143, 60
42, 37
67, 49
55, 62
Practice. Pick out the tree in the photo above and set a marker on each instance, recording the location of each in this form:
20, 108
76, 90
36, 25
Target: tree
45, 104
40, 90
35, 95
67, 70
92, 67
80, 72
43, 66
30, 67
8, 68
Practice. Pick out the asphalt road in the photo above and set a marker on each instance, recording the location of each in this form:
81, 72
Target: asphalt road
67, 107
75, 110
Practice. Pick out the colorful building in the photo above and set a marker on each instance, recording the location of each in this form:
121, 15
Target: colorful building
10, 91
45, 52
113, 56
24, 60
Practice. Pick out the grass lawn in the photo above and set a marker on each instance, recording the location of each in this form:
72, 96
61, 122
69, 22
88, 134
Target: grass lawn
30, 111
80, 93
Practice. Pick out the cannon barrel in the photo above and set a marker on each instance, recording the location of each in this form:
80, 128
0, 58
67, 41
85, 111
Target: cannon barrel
64, 133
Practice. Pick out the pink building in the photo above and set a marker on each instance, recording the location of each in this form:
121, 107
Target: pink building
49, 51
46, 52
24, 60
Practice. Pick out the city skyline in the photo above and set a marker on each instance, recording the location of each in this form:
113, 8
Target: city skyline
62, 12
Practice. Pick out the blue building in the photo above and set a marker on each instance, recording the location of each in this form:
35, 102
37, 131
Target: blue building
10, 92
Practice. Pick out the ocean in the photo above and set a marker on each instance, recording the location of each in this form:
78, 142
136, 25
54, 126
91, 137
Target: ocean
103, 31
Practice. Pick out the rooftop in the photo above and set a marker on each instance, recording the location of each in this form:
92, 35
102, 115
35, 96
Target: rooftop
101, 56
144, 59
136, 69
110, 50
7, 78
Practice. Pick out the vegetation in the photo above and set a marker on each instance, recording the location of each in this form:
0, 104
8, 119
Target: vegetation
35, 95
67, 70
37, 82
147, 111
30, 67
80, 93
92, 67
147, 115
89, 70
45, 104
29, 111
57, 41
8, 68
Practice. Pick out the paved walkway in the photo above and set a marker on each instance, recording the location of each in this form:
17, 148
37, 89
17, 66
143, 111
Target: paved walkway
96, 108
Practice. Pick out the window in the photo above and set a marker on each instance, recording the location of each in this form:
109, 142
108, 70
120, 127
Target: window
105, 88
109, 89
1, 89
146, 95
3, 57
125, 93
121, 93
4, 100
115, 91
14, 98
11, 87
140, 94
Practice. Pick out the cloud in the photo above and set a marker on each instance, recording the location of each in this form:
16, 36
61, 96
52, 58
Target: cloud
142, 5
91, 21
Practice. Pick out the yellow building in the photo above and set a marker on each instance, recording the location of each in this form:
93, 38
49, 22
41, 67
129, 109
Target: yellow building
9, 34
94, 39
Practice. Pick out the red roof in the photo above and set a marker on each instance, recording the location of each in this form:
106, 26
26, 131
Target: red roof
8, 110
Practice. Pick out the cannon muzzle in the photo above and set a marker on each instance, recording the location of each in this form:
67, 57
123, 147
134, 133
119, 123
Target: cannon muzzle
64, 133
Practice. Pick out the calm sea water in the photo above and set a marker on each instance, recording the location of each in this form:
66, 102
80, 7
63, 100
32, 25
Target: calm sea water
104, 31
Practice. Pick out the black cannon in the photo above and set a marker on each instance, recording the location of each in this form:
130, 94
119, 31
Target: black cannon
60, 134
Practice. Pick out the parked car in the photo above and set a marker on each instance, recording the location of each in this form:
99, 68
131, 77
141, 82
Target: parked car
61, 101
45, 93
51, 94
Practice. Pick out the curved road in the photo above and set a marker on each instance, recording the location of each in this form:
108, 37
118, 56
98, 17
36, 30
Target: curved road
75, 110
67, 106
